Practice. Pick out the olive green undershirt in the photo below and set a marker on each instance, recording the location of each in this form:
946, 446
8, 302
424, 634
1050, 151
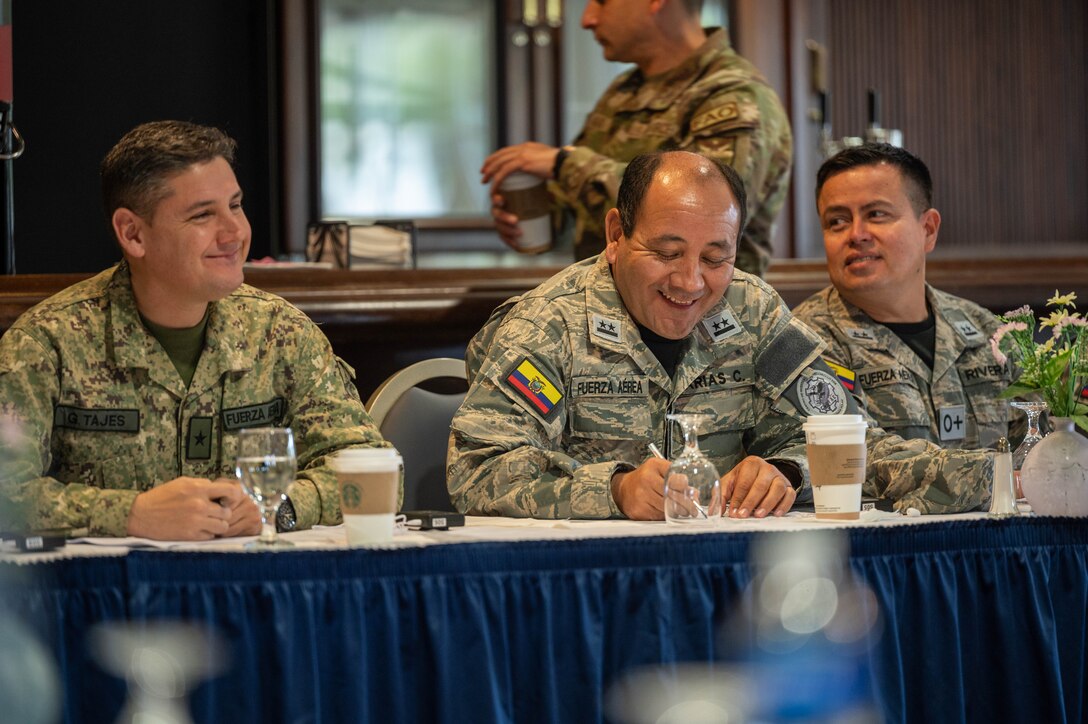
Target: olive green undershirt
183, 346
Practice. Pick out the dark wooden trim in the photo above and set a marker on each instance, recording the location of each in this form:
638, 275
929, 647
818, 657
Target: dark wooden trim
381, 321
430, 297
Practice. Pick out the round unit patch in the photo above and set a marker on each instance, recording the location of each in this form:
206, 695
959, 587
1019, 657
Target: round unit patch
821, 394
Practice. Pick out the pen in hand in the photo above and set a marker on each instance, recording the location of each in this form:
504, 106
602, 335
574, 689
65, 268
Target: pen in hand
655, 451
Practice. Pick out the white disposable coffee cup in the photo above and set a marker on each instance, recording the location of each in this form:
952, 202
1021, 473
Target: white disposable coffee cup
368, 479
526, 196
836, 463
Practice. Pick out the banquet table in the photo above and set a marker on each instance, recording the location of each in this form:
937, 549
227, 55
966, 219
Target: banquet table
505, 620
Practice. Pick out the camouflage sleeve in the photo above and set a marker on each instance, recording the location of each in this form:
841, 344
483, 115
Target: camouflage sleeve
587, 188
506, 456
729, 126
737, 128
919, 474
29, 498
478, 347
787, 359
326, 415
837, 354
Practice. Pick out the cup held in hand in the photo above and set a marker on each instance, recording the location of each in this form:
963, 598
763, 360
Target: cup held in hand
526, 196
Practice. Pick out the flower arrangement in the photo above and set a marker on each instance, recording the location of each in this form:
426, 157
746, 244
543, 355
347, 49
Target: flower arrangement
1057, 368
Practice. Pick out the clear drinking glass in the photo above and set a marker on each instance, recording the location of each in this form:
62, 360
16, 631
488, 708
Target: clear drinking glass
1031, 439
265, 465
693, 492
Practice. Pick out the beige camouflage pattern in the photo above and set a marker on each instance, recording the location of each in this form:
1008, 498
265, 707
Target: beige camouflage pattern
716, 104
898, 389
507, 458
86, 351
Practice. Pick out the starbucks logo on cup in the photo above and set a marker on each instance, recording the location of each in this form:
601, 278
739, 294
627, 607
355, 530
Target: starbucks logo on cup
351, 495
821, 394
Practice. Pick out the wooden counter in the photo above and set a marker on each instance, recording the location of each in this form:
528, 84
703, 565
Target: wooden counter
380, 321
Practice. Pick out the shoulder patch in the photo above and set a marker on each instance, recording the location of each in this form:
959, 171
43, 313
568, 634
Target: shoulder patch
846, 376
790, 349
720, 114
534, 387
820, 394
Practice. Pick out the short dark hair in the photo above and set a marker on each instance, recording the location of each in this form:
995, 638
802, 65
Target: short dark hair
914, 172
135, 170
640, 174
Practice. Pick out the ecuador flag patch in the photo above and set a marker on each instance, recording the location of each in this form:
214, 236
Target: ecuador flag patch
846, 377
537, 389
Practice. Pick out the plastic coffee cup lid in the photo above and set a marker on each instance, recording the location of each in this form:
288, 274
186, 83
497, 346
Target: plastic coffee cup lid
370, 458
815, 420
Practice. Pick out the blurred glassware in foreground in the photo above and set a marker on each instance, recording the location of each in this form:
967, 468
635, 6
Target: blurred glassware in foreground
161, 661
1033, 410
693, 492
29, 687
796, 648
806, 620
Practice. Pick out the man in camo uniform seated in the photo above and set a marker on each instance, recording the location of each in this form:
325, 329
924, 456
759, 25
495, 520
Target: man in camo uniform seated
572, 381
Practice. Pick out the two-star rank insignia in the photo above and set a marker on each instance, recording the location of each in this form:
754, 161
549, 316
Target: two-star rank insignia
722, 325
607, 328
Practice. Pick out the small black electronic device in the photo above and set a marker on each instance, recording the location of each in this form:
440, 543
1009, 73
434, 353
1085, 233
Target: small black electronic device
36, 541
432, 519
870, 503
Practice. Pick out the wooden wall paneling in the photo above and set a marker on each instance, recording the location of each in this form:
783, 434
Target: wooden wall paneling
993, 96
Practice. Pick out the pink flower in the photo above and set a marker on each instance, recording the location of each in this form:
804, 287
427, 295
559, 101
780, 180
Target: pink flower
1024, 311
1070, 321
999, 334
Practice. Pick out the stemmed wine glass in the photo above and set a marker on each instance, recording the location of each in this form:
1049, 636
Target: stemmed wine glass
693, 492
265, 465
1031, 439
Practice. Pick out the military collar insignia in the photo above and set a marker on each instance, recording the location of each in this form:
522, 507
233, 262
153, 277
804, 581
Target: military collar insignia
722, 325
607, 328
968, 331
860, 334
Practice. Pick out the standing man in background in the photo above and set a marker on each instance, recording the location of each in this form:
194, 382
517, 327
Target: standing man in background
690, 91
918, 359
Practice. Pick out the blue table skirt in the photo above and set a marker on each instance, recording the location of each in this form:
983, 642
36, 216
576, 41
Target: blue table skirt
983, 621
